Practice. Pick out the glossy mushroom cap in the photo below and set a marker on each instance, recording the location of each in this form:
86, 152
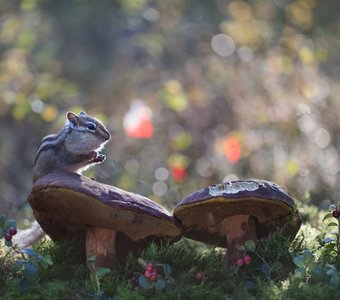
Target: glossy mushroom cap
255, 206
67, 204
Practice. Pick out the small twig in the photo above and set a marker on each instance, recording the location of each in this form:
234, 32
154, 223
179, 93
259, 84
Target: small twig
18, 252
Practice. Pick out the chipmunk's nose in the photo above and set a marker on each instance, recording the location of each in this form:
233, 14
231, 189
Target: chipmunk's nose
107, 137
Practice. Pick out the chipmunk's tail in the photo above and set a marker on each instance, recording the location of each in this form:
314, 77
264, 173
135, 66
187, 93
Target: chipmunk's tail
28, 237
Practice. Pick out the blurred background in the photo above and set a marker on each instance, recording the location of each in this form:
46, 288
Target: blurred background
194, 92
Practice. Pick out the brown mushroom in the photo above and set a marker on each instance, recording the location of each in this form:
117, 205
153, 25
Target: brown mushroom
67, 205
231, 213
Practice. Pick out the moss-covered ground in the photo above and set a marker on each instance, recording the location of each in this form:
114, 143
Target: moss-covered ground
306, 268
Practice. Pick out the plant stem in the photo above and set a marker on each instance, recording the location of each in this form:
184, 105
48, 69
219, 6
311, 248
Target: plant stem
96, 281
262, 259
338, 238
18, 252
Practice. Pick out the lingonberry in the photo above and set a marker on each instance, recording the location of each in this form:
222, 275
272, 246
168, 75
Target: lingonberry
150, 267
147, 274
247, 259
200, 276
12, 231
336, 214
8, 236
240, 262
153, 276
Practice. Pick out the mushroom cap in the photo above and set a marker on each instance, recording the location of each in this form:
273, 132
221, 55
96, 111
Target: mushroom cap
65, 204
203, 212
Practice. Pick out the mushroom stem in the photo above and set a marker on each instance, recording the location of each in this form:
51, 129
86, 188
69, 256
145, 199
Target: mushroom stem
238, 229
101, 243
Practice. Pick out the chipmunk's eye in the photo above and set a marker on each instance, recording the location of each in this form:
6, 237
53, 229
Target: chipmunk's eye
91, 126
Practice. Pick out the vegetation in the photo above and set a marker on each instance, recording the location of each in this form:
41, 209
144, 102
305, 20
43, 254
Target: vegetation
195, 93
309, 267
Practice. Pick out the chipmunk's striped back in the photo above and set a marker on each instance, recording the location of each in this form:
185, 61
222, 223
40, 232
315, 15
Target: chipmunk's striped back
52, 140
73, 148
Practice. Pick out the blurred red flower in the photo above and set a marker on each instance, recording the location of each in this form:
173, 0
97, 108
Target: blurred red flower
137, 121
232, 148
178, 173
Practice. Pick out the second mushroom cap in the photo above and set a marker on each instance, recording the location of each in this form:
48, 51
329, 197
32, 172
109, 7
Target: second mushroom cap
230, 213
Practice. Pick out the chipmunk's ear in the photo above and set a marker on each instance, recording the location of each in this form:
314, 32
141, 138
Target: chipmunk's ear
82, 113
73, 118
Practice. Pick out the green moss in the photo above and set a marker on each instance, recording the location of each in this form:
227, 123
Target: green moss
69, 278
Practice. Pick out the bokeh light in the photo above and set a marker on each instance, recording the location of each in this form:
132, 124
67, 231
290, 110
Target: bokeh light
137, 121
223, 45
192, 94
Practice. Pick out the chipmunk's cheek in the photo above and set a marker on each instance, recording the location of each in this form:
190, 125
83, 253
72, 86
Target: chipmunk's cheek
84, 145
97, 143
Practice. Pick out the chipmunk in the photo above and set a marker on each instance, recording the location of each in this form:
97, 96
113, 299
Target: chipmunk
73, 149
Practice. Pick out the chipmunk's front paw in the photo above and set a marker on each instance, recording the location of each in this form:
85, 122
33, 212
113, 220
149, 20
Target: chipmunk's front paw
93, 155
99, 158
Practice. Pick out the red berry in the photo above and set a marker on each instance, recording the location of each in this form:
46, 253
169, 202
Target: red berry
247, 260
150, 267
8, 236
336, 214
240, 262
147, 274
199, 276
153, 276
13, 231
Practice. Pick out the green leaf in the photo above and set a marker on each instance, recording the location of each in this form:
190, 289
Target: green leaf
249, 285
170, 280
8, 243
29, 252
167, 270
298, 261
10, 223
48, 260
331, 266
24, 285
327, 216
332, 224
102, 271
265, 269
91, 258
330, 246
276, 266
241, 248
308, 257
160, 284
331, 272
308, 253
99, 296
143, 282
318, 271
2, 221
299, 272
250, 245
142, 262
30, 271
18, 264
327, 240
335, 280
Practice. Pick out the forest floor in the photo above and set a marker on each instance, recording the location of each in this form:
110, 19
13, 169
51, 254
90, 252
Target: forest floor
306, 268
